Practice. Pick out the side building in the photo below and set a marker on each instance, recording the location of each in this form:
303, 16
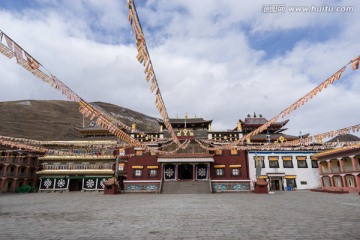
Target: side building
80, 165
18, 168
282, 169
339, 168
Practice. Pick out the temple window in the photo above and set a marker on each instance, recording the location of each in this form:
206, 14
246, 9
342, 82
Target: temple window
257, 159
137, 172
302, 163
219, 172
153, 173
337, 181
287, 162
219, 152
350, 181
274, 164
138, 153
234, 151
314, 164
235, 172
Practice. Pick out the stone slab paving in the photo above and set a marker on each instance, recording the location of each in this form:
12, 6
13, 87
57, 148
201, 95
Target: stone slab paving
283, 215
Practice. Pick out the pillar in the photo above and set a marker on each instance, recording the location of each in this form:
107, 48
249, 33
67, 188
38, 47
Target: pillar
357, 181
343, 180
354, 163
320, 168
27, 172
162, 172
331, 180
13, 185
329, 165
208, 172
341, 162
2, 181
176, 172
16, 172
5, 169
194, 172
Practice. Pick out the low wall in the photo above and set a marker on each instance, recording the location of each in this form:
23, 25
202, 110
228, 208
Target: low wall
142, 187
230, 186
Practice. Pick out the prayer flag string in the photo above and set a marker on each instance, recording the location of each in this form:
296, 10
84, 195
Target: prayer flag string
298, 103
143, 57
13, 49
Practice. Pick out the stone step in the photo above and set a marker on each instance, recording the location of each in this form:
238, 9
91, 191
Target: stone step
185, 187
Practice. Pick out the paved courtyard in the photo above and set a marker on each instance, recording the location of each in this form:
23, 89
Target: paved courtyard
283, 215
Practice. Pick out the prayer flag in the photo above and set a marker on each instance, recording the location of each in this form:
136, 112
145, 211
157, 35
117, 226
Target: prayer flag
18, 52
9, 42
32, 62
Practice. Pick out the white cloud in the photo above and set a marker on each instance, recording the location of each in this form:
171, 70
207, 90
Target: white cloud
202, 55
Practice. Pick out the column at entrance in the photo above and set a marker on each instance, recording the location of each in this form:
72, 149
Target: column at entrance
194, 166
176, 172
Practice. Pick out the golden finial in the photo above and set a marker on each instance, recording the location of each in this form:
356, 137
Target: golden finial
133, 127
239, 128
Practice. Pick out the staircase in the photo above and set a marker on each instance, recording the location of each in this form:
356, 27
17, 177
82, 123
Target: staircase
186, 187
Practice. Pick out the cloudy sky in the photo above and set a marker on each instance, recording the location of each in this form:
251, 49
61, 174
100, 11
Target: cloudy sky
219, 60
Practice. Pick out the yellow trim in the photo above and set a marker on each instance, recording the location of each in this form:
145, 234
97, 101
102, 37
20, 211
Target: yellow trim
301, 158
290, 177
152, 167
286, 158
219, 166
338, 150
273, 158
235, 166
264, 177
137, 167
258, 158
122, 164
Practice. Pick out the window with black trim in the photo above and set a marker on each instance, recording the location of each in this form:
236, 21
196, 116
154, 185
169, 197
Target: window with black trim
153, 172
274, 164
235, 172
302, 164
219, 171
314, 164
137, 172
262, 163
288, 164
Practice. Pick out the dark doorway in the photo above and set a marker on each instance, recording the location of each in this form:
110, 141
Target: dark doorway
75, 185
9, 186
185, 172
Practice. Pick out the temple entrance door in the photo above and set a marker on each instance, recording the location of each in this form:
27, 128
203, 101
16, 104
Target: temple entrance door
276, 184
185, 172
75, 185
169, 172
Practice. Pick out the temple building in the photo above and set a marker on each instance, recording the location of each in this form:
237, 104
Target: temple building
284, 170
18, 168
189, 170
87, 163
84, 164
339, 168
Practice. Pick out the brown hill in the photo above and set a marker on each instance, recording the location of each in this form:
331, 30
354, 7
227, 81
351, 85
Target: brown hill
55, 120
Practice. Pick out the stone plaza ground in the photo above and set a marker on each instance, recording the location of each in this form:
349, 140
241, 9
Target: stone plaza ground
283, 215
